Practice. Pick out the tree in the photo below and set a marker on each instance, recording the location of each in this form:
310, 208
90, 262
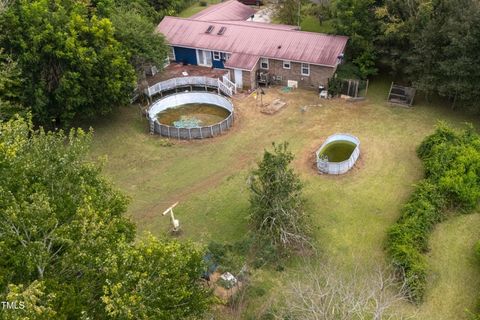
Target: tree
320, 10
155, 280
398, 22
66, 245
10, 87
72, 65
321, 293
445, 51
356, 19
276, 201
288, 12
137, 35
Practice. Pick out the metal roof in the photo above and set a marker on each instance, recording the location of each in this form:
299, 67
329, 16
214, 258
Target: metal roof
229, 10
262, 24
242, 61
255, 40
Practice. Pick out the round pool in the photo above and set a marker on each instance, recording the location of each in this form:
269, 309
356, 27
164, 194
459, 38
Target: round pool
338, 153
191, 115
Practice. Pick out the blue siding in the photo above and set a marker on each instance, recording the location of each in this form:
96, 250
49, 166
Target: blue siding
189, 56
219, 64
185, 55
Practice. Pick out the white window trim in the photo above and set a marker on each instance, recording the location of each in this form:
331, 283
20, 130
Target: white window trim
217, 56
198, 58
172, 49
289, 64
262, 61
302, 66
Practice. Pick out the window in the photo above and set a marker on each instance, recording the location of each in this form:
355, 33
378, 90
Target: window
264, 63
305, 71
286, 64
216, 55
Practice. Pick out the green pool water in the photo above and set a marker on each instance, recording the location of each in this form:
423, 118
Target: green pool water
338, 151
193, 115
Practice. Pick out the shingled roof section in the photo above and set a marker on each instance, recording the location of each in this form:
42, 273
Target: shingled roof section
231, 10
265, 41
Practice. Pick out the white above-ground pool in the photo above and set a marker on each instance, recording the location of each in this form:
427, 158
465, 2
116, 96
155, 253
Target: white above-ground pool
338, 153
189, 107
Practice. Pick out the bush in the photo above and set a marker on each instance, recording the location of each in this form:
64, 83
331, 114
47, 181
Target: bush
228, 257
452, 164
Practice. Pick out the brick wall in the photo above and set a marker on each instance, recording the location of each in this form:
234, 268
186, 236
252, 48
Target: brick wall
318, 75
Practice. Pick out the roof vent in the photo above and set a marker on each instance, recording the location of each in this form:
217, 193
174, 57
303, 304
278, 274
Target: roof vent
279, 47
222, 31
210, 29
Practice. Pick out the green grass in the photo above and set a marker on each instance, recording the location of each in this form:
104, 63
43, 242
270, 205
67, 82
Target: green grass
310, 23
196, 8
350, 213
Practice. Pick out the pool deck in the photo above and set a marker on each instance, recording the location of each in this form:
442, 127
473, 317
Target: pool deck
176, 70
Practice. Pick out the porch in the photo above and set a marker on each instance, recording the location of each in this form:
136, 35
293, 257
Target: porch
179, 70
178, 76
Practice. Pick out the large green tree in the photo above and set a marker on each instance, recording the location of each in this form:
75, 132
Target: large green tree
67, 248
398, 21
356, 19
137, 35
445, 51
73, 66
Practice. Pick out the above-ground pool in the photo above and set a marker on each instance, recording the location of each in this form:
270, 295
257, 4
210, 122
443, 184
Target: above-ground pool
191, 115
338, 153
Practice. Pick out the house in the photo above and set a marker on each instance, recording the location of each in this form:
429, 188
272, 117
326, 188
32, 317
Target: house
222, 37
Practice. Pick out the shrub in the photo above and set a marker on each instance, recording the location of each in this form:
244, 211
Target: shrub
452, 166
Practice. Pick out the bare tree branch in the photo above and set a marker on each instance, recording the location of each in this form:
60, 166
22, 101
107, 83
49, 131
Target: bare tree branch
321, 293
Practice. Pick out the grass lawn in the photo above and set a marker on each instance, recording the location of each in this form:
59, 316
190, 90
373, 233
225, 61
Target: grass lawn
310, 23
196, 8
350, 213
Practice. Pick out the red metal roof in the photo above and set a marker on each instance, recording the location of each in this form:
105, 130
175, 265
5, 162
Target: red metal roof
242, 61
229, 10
255, 40
261, 25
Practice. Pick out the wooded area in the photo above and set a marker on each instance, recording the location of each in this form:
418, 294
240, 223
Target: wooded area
432, 44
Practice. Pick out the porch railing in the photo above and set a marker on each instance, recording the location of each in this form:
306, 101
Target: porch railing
174, 83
